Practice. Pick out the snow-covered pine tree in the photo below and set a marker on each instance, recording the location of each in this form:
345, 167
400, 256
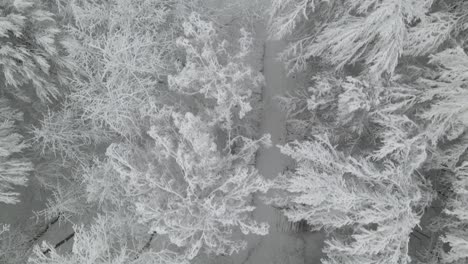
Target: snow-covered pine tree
376, 33
448, 113
14, 169
390, 124
444, 112
360, 184
455, 218
421, 110
32, 56
368, 209
336, 107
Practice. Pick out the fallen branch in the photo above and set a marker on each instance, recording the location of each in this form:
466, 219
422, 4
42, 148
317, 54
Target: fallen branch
70, 236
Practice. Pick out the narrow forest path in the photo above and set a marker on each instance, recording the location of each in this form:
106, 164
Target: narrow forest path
280, 246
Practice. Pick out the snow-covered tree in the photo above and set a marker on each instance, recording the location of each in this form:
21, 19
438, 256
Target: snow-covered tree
448, 113
149, 131
357, 169
123, 64
63, 134
410, 117
14, 169
212, 71
337, 107
123, 51
32, 56
376, 33
421, 110
132, 60
130, 67
455, 229
104, 241
446, 119
368, 208
183, 186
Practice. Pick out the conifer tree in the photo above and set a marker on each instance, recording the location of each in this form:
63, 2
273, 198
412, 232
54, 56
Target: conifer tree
445, 115
375, 33
33, 50
14, 169
361, 184
368, 208
412, 119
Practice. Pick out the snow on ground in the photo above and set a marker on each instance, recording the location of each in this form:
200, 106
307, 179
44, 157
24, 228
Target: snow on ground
31, 198
279, 246
21, 215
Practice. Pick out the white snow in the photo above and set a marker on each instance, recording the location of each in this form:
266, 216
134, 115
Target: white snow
278, 246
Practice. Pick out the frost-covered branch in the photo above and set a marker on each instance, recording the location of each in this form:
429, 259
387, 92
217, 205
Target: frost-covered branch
14, 169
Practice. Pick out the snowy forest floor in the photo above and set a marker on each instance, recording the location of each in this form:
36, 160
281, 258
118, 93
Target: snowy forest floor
281, 245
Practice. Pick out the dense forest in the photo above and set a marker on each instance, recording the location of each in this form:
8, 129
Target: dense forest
131, 130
